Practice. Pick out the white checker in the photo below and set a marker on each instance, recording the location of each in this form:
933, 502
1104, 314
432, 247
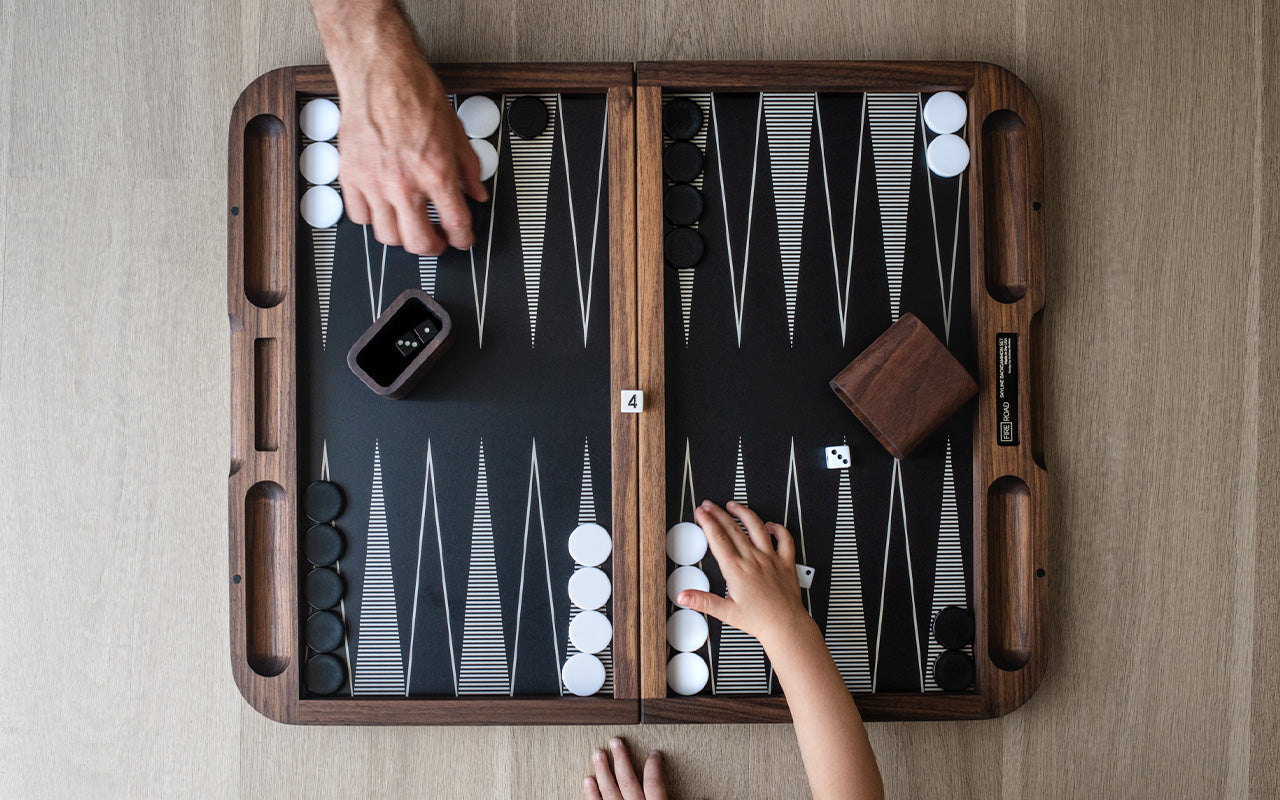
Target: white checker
321, 206
947, 155
319, 120
687, 673
583, 674
945, 112
488, 158
319, 163
686, 543
632, 401
480, 116
686, 630
805, 575
682, 578
589, 588
590, 544
838, 456
590, 631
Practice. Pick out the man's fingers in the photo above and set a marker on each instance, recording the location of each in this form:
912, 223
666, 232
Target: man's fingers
623, 772
469, 170
605, 784
707, 603
786, 543
654, 787
357, 207
455, 217
385, 229
420, 235
755, 528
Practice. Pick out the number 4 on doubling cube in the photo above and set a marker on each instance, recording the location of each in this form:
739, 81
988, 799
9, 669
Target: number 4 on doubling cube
632, 401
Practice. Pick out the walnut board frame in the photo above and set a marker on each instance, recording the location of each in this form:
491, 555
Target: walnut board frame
263, 484
1010, 501
1007, 295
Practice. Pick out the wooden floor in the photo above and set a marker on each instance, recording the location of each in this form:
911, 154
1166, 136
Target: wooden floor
1162, 131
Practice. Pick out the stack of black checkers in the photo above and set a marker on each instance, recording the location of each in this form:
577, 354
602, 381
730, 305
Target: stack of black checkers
323, 587
953, 628
682, 202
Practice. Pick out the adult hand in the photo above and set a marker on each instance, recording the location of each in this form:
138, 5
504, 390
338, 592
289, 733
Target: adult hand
402, 144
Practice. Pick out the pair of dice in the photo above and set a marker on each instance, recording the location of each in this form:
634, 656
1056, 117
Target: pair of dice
411, 342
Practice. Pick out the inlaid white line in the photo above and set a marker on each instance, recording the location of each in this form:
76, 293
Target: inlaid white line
739, 293
884, 576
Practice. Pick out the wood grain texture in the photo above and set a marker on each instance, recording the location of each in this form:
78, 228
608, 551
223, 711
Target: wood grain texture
1161, 390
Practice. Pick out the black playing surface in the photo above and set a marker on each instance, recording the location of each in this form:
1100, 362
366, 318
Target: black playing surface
507, 437
756, 330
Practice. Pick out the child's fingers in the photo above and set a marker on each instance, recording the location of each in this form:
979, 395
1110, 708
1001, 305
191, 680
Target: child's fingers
707, 603
605, 784
725, 546
755, 528
786, 543
623, 772
654, 788
590, 789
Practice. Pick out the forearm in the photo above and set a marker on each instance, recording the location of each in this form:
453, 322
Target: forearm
357, 32
833, 741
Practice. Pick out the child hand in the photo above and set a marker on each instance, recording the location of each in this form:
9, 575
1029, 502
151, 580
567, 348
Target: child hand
764, 593
620, 782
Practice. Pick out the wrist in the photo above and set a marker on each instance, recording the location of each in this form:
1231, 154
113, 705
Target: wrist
363, 37
791, 637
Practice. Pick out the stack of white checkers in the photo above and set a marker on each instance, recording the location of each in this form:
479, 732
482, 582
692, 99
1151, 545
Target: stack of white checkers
687, 671
480, 118
590, 630
321, 205
944, 114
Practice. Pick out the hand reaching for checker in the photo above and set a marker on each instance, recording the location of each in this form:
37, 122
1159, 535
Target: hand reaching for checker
764, 593
402, 144
619, 782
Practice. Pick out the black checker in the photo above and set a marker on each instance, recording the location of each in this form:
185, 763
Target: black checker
324, 674
683, 247
682, 161
682, 204
323, 545
322, 501
527, 117
325, 631
953, 627
323, 588
681, 118
953, 671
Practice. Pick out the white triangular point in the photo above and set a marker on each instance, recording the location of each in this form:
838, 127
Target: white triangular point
534, 521
483, 664
323, 242
948, 571
585, 287
740, 667
685, 277
892, 119
531, 166
379, 667
946, 275
738, 283
428, 522
843, 278
427, 264
846, 629
788, 121
587, 514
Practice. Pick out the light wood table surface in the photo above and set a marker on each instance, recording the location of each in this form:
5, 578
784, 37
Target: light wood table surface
1163, 339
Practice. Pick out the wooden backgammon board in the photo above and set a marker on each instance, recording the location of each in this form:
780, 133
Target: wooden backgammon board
675, 261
